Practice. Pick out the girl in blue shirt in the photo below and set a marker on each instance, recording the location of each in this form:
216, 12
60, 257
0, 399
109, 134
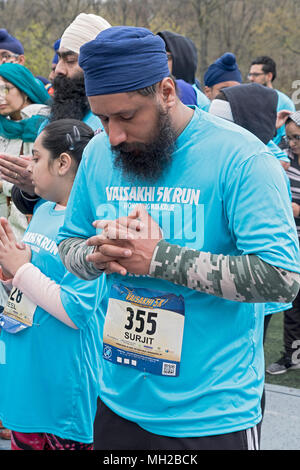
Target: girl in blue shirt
50, 327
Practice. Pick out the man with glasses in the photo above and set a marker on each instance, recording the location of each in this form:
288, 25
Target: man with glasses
11, 50
263, 71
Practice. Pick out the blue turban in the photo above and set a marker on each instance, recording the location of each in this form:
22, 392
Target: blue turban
55, 47
224, 69
9, 43
122, 59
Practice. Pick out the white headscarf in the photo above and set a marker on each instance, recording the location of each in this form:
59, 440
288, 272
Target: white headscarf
295, 117
84, 28
222, 109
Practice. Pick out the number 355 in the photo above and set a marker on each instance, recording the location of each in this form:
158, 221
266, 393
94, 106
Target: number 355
144, 319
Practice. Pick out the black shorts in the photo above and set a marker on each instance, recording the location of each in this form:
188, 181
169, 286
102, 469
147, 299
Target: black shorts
112, 432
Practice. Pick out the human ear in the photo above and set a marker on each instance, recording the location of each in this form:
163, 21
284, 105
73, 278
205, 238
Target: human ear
207, 90
21, 59
269, 77
64, 163
167, 92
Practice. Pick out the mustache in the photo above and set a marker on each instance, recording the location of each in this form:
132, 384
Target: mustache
147, 160
69, 87
127, 148
69, 98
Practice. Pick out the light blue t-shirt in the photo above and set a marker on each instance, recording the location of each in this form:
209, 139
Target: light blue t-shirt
281, 156
284, 102
202, 101
179, 362
274, 307
93, 121
49, 381
89, 119
278, 152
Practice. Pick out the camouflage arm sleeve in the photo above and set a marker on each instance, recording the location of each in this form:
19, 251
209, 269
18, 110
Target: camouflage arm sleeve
73, 252
244, 278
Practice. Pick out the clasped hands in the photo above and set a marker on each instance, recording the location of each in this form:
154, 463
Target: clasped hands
126, 244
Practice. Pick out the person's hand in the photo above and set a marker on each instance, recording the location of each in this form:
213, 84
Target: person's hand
284, 164
107, 251
134, 238
282, 117
12, 254
15, 171
296, 209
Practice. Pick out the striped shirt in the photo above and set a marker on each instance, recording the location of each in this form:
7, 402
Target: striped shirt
293, 173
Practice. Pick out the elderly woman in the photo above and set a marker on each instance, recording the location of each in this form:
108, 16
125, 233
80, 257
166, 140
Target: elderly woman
23, 108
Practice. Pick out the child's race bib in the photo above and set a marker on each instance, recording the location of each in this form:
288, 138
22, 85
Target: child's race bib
18, 312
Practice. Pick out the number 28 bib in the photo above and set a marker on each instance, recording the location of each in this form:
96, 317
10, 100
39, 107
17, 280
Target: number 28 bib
18, 312
144, 329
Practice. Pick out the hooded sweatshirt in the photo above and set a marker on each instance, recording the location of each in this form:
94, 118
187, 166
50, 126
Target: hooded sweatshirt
254, 107
184, 55
184, 66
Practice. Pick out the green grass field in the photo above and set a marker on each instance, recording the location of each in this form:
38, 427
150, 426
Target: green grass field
273, 348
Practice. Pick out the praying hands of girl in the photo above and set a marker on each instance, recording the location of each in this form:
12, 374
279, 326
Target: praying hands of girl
12, 254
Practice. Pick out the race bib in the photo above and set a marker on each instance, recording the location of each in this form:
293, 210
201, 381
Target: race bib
144, 330
18, 312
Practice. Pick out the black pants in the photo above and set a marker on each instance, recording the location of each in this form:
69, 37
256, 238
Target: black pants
291, 333
263, 398
291, 328
112, 432
266, 324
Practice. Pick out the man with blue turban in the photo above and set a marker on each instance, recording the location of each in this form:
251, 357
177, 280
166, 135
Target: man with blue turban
222, 73
182, 363
11, 49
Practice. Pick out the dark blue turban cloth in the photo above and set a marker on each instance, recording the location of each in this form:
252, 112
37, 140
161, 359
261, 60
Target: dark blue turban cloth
56, 47
224, 69
122, 59
10, 43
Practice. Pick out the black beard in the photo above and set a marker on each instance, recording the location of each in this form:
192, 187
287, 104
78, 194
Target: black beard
147, 161
69, 100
